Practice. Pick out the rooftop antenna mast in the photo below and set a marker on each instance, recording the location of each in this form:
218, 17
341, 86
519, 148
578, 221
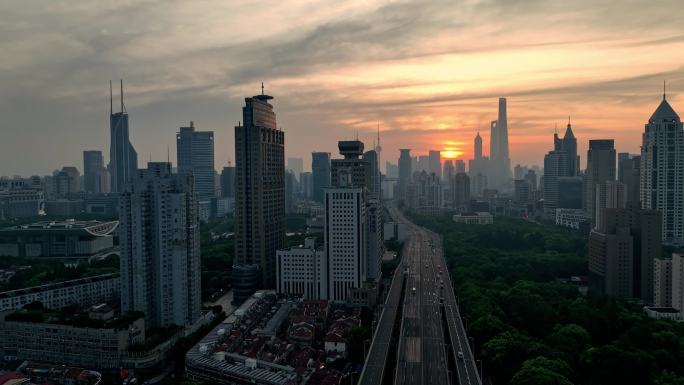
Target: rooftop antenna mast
664, 90
262, 88
123, 108
111, 102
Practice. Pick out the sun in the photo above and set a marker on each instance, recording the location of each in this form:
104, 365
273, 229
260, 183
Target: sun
451, 153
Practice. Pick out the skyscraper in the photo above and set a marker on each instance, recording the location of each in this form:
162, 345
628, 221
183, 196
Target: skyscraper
479, 164
320, 167
259, 197
435, 163
195, 152
372, 158
405, 172
228, 182
622, 251
499, 160
67, 181
601, 168
460, 190
554, 168
448, 171
662, 170
296, 165
569, 146
629, 173
160, 247
123, 160
95, 175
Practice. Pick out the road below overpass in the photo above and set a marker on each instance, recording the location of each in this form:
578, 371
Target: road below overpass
433, 344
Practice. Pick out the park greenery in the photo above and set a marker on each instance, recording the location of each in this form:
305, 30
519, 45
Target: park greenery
532, 326
31, 272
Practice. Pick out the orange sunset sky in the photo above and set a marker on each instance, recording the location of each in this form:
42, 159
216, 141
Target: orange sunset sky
429, 72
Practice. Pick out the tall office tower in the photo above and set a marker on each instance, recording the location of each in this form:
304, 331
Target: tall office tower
662, 282
422, 163
259, 197
568, 145
570, 192
94, 172
123, 160
306, 185
459, 166
554, 168
460, 190
629, 173
67, 181
662, 170
296, 165
291, 186
678, 281
391, 170
478, 184
228, 182
320, 167
195, 151
345, 239
375, 179
519, 171
448, 171
531, 177
523, 194
354, 171
499, 160
378, 150
160, 247
609, 195
477, 146
479, 164
622, 250
600, 168
435, 163
351, 166
405, 172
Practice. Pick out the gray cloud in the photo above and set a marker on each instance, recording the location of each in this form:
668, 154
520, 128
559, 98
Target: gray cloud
57, 58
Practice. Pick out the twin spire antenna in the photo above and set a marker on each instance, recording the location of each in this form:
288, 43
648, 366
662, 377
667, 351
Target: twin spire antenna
111, 99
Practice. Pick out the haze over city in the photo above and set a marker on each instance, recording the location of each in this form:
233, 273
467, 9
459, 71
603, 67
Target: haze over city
428, 73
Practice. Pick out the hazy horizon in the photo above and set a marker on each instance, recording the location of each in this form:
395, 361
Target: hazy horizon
429, 73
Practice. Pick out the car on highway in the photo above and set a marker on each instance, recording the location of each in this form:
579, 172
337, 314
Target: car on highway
460, 356
413, 291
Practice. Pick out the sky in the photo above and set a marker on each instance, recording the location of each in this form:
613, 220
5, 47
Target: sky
428, 73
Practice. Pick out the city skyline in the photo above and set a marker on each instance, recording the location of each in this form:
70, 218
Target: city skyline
435, 92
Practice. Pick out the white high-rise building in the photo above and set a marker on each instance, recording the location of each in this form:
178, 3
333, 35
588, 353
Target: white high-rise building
345, 240
662, 170
160, 247
302, 271
678, 281
662, 282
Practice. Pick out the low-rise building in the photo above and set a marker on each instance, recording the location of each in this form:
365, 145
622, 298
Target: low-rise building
38, 335
83, 292
663, 313
302, 271
68, 239
477, 218
571, 218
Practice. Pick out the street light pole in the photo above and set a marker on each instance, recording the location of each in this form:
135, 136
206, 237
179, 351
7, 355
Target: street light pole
480, 361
